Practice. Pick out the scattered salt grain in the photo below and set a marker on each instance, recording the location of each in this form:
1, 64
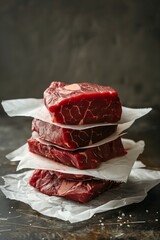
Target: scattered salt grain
102, 224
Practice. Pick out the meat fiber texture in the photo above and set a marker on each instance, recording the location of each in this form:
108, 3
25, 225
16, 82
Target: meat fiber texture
115, 169
140, 181
69, 177
83, 191
81, 159
70, 138
35, 108
119, 131
82, 103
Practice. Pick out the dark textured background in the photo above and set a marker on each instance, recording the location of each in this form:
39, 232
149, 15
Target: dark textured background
110, 42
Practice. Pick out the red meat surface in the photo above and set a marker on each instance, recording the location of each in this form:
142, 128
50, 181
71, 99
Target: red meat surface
49, 183
68, 138
81, 159
75, 177
82, 103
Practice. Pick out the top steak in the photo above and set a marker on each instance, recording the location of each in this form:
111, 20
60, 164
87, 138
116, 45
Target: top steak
82, 103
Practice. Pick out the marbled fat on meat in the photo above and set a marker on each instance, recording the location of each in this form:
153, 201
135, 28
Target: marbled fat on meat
83, 191
75, 177
82, 103
81, 159
69, 138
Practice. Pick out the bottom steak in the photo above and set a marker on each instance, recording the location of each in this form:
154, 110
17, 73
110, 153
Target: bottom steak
83, 191
81, 159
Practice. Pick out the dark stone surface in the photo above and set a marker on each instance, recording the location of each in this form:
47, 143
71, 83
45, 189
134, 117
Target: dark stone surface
135, 222
114, 43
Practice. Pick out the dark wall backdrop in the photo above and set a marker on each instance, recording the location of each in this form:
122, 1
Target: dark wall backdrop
109, 42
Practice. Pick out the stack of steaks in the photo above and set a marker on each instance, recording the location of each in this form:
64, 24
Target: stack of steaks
69, 106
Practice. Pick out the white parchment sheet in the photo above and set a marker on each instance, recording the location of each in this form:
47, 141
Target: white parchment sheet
135, 190
116, 169
35, 108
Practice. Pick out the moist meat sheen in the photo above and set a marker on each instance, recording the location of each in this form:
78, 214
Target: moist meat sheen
81, 159
69, 138
82, 103
83, 191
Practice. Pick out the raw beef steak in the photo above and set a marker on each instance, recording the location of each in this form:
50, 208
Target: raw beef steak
68, 138
75, 177
50, 184
81, 159
82, 103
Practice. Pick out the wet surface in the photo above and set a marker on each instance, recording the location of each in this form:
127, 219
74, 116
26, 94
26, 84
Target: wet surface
137, 221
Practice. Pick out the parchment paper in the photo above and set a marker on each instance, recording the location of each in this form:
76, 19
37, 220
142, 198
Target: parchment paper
135, 190
116, 169
35, 108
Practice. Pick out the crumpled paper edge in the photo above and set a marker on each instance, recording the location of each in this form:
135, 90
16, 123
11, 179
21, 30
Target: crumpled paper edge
32, 107
116, 169
135, 190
